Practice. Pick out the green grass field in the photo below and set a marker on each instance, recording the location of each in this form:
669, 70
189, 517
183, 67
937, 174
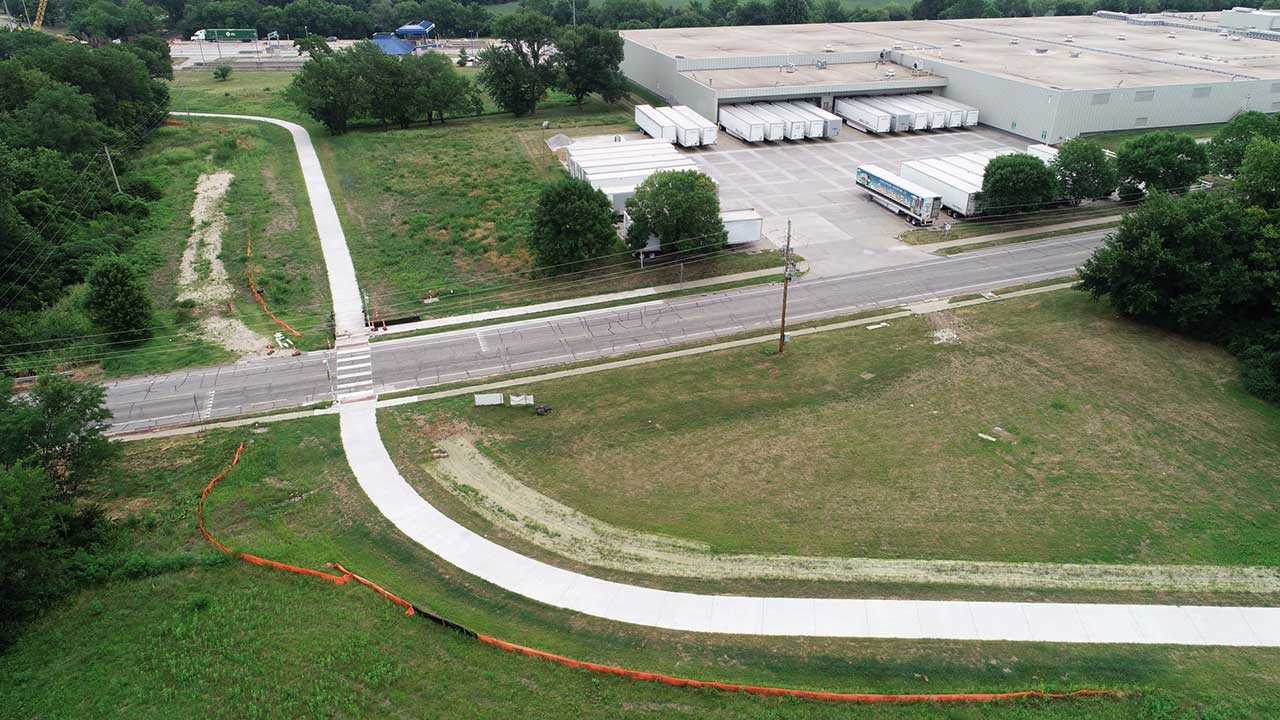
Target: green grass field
227, 639
1115, 443
1113, 140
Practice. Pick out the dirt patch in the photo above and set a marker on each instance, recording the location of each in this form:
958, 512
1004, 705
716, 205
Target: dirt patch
122, 508
489, 490
202, 277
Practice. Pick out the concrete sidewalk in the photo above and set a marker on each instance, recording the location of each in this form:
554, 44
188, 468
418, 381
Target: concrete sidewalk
522, 310
825, 617
348, 312
979, 239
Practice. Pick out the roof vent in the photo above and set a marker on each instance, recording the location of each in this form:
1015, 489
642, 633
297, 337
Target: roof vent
828, 48
1075, 53
890, 73
820, 64
956, 42
1173, 34
1069, 38
1042, 51
1013, 41
897, 46
1120, 37
1235, 38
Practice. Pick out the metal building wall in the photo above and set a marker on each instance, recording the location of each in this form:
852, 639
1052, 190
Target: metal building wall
1087, 111
1018, 107
648, 68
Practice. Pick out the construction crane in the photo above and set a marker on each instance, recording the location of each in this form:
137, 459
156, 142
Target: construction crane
40, 15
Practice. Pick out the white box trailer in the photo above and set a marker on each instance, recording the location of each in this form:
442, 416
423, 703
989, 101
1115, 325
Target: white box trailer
600, 143
578, 162
916, 119
775, 128
955, 116
970, 112
937, 116
630, 178
899, 119
1046, 153
862, 116
794, 127
584, 166
741, 125
813, 126
744, 226
706, 128
688, 133
830, 122
959, 192
655, 124
618, 170
618, 195
918, 202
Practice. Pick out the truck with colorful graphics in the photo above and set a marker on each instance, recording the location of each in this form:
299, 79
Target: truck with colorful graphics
896, 193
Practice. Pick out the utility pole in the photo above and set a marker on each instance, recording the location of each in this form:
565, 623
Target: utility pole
112, 165
786, 282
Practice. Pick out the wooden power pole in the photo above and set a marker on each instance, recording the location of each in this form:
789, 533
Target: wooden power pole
786, 282
112, 165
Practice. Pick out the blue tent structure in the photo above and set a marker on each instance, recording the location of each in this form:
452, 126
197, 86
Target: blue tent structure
420, 29
392, 45
407, 38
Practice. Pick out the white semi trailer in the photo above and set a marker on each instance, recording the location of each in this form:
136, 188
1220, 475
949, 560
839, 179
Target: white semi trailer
863, 117
811, 126
830, 122
955, 116
902, 196
688, 133
742, 125
775, 128
959, 189
654, 123
796, 126
707, 129
908, 118
937, 116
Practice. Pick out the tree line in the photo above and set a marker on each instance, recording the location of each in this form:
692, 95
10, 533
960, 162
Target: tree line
361, 82
62, 222
1207, 264
466, 18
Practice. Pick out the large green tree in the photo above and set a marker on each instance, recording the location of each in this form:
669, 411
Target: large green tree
1161, 160
1083, 170
1016, 183
587, 62
1258, 177
572, 223
789, 12
518, 72
681, 208
118, 300
1226, 149
57, 427
433, 89
330, 89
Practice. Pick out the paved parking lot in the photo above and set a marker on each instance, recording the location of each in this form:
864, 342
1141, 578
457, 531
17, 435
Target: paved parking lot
811, 183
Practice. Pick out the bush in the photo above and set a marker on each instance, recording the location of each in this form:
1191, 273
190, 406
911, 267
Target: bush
572, 223
1260, 371
222, 73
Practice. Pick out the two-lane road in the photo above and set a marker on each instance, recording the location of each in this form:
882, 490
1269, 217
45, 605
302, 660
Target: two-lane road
254, 386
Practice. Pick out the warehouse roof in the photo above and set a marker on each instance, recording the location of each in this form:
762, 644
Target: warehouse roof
1094, 58
873, 75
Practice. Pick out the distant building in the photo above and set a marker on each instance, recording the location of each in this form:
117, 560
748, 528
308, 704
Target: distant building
407, 39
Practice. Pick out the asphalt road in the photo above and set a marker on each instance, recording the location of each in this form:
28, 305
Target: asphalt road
286, 382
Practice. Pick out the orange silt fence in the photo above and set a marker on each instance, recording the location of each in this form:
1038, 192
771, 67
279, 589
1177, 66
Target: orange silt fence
414, 610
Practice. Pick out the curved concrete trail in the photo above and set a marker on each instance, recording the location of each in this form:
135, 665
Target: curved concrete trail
959, 620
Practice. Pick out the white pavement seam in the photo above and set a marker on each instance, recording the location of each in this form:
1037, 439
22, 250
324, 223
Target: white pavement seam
908, 619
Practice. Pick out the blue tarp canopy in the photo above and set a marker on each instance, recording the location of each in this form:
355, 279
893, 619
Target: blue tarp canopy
392, 45
414, 29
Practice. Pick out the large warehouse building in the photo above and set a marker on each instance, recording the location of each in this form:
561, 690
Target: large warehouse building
1047, 79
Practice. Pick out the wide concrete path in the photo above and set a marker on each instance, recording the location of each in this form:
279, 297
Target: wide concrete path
957, 620
348, 311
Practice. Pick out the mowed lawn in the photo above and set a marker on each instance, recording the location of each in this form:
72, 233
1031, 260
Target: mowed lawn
1110, 443
183, 632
